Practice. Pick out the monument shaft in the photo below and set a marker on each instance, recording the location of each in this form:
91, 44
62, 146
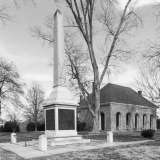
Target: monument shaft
59, 55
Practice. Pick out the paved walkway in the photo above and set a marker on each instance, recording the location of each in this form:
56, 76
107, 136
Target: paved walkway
32, 151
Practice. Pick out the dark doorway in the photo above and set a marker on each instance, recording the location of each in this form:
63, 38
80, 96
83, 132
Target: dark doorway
128, 121
102, 121
151, 122
118, 120
136, 121
144, 121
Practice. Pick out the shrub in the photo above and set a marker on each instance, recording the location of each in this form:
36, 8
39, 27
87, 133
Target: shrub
41, 126
11, 127
30, 126
1, 129
149, 133
81, 125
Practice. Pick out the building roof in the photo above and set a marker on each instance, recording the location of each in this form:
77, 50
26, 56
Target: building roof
120, 94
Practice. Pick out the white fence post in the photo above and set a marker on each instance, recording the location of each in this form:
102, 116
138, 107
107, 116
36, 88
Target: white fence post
13, 138
42, 143
109, 137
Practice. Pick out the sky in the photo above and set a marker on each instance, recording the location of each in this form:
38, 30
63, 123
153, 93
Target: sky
139, 2
32, 56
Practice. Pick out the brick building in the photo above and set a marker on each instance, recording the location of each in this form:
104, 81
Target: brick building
121, 109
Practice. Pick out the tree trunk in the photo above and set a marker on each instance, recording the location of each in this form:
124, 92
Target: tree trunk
35, 124
96, 98
96, 124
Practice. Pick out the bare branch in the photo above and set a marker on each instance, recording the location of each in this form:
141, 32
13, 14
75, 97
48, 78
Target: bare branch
35, 98
10, 82
148, 82
37, 32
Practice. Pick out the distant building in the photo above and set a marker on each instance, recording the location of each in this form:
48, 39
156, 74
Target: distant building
121, 109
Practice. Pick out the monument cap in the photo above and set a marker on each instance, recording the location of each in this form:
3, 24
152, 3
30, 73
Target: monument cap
57, 11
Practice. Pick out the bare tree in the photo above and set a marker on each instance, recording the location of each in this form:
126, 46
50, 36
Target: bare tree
10, 83
78, 63
148, 79
4, 9
35, 97
151, 53
14, 115
148, 82
114, 27
75, 53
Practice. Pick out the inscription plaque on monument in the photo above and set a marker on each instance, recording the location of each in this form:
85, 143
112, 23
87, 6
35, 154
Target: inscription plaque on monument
66, 119
50, 119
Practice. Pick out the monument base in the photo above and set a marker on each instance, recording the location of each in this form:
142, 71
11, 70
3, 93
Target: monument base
59, 133
62, 95
66, 140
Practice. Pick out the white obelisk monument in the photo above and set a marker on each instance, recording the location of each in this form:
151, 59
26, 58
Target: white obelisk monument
59, 56
60, 108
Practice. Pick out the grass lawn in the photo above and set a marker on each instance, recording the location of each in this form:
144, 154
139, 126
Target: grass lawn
118, 136
7, 155
6, 136
147, 151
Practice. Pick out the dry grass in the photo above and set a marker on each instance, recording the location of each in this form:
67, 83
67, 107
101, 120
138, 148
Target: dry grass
145, 151
7, 155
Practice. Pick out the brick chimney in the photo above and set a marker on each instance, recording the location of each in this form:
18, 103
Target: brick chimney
140, 93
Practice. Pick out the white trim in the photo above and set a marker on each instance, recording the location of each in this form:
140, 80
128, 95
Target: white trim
108, 103
147, 107
54, 117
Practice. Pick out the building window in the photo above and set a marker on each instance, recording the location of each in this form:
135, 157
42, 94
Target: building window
151, 121
144, 121
136, 121
102, 121
128, 121
118, 120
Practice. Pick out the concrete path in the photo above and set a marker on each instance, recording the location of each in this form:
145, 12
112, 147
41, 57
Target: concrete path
32, 151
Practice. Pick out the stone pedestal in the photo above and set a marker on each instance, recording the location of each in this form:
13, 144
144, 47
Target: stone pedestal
60, 120
61, 95
60, 113
110, 137
42, 143
13, 138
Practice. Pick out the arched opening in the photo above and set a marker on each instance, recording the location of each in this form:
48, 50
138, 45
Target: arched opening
128, 121
136, 121
151, 121
102, 121
144, 121
118, 120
